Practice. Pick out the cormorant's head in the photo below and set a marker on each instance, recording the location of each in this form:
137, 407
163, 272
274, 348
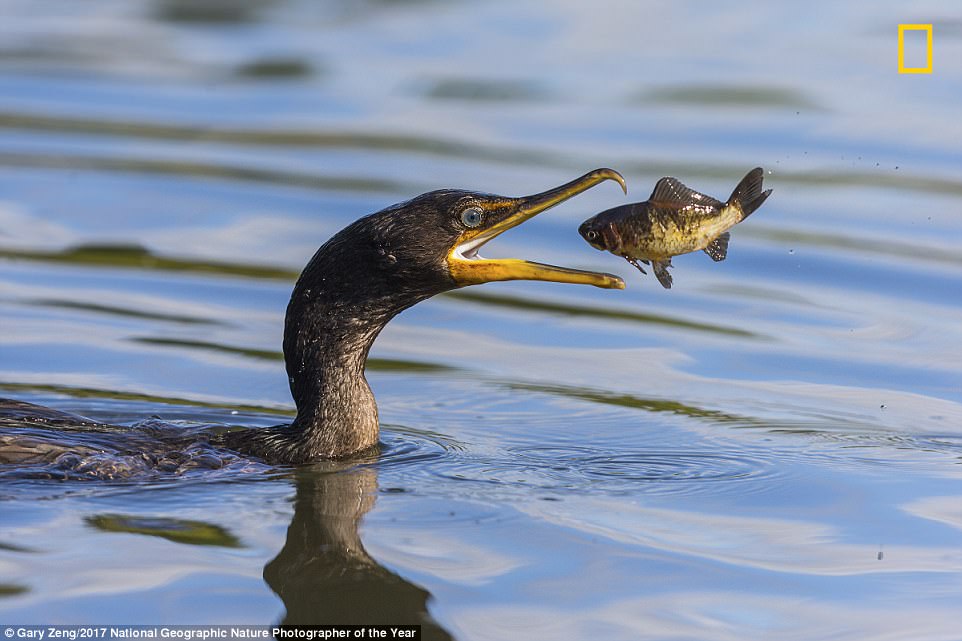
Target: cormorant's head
472, 219
392, 259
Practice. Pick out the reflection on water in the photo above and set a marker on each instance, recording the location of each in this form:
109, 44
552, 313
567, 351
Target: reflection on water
484, 90
714, 97
7, 590
193, 169
138, 257
323, 573
275, 68
725, 460
179, 530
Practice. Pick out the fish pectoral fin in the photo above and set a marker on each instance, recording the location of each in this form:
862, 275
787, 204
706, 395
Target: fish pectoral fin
718, 248
672, 193
660, 267
635, 263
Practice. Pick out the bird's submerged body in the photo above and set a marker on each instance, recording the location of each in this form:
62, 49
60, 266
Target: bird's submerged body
41, 443
674, 220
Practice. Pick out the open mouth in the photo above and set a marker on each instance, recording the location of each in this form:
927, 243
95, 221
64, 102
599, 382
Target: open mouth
467, 267
468, 250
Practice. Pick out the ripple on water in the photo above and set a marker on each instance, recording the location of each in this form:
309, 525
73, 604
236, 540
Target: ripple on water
412, 458
651, 470
403, 447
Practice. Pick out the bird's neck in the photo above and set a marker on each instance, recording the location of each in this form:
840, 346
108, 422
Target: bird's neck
325, 349
335, 313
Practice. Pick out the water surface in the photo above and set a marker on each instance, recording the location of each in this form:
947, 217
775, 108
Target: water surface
771, 449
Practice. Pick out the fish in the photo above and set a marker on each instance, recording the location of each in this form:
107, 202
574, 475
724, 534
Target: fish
674, 220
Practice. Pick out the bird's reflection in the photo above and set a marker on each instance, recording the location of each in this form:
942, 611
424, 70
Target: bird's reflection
324, 575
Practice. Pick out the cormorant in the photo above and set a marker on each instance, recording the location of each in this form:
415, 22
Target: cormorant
359, 280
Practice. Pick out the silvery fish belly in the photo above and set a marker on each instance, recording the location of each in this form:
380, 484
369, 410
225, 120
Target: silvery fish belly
674, 220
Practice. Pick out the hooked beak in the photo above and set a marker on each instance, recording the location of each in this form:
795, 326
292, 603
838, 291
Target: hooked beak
467, 268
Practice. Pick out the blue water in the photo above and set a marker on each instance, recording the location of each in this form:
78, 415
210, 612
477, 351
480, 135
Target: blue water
771, 449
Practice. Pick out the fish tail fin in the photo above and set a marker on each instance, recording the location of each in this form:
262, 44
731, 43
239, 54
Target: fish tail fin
748, 195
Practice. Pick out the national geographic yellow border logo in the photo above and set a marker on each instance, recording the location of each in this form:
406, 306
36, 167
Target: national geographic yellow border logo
927, 28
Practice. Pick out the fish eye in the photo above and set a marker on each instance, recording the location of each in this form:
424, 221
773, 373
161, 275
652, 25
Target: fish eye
472, 217
592, 235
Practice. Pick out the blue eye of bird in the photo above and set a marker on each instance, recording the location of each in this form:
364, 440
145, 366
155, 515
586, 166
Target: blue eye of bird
472, 217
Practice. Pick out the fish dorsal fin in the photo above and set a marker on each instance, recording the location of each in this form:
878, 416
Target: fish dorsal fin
671, 192
718, 248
